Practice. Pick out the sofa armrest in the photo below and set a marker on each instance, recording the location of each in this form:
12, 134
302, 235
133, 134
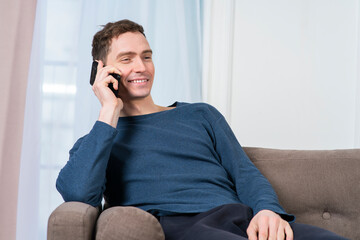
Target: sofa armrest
72, 221
125, 223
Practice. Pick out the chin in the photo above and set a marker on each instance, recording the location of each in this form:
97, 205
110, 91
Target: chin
138, 96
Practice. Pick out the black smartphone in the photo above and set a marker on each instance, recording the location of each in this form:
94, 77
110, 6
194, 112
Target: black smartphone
93, 75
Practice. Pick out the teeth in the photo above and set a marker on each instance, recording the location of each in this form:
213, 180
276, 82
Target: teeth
139, 81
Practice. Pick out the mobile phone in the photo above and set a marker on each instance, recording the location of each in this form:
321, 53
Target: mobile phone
93, 75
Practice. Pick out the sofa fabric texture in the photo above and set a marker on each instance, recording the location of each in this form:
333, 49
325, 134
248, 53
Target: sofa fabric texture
320, 187
137, 224
72, 220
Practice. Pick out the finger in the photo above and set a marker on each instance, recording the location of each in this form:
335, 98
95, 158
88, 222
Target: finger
103, 71
110, 79
100, 86
273, 228
108, 68
115, 83
264, 229
114, 70
99, 71
104, 82
281, 232
101, 89
100, 64
289, 232
252, 232
106, 71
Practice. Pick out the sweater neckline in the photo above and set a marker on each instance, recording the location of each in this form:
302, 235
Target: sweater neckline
150, 115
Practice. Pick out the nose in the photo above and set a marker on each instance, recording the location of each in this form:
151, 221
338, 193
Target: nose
139, 65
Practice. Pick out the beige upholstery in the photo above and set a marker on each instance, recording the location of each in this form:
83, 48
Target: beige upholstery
127, 228
71, 221
320, 187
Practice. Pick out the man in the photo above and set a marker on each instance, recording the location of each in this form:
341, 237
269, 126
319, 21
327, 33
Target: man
181, 163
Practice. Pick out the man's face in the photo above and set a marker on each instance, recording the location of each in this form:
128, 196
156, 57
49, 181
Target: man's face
132, 55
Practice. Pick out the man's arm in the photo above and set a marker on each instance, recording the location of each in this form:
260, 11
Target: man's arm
83, 177
270, 219
252, 188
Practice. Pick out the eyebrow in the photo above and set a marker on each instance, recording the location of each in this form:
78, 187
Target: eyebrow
132, 53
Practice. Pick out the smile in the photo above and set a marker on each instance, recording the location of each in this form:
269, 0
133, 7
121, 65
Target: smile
138, 81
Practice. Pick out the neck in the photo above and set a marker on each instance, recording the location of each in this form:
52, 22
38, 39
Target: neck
139, 107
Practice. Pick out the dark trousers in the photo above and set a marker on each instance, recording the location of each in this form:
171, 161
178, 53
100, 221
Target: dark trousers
228, 222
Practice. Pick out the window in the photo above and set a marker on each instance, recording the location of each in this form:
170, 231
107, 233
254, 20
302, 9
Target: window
59, 71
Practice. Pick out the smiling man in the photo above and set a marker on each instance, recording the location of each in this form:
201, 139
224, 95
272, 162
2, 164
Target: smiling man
181, 163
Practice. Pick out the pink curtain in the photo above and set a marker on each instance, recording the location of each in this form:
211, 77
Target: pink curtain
16, 29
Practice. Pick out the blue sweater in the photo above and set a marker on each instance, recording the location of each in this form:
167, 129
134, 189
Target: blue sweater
184, 160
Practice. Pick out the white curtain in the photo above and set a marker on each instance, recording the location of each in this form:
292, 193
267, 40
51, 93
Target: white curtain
218, 29
28, 197
60, 104
357, 119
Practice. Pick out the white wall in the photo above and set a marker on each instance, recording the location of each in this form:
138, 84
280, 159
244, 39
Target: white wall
294, 72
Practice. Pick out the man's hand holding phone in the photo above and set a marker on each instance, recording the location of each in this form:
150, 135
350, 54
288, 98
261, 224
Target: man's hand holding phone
105, 86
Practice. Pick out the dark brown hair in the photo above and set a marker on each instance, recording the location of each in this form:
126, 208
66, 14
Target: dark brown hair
102, 39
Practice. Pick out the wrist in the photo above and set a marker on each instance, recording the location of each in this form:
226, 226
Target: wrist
109, 115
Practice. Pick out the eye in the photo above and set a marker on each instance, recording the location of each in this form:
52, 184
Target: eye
148, 57
125, 60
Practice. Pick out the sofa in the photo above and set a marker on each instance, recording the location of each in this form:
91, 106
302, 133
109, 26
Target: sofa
320, 187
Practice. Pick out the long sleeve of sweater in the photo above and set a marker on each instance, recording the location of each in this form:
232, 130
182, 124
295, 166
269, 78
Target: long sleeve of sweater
83, 177
252, 187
